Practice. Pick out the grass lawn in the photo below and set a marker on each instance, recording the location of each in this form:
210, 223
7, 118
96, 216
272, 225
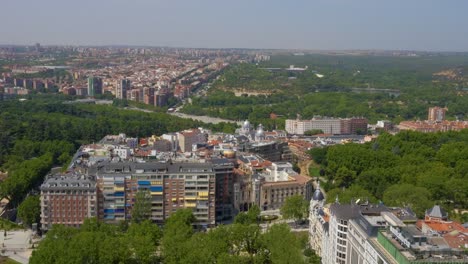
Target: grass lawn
8, 225
6, 260
314, 171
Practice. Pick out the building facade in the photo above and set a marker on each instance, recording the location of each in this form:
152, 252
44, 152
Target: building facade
94, 86
436, 114
224, 173
68, 200
122, 87
172, 186
334, 126
188, 138
274, 194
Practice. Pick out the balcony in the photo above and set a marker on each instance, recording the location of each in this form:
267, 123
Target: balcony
190, 205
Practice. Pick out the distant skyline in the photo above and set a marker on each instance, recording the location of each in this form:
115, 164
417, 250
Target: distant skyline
423, 25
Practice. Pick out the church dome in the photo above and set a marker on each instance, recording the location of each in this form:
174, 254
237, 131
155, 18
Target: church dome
260, 133
318, 195
246, 124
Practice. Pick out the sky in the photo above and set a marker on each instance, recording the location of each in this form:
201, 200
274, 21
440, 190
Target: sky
425, 25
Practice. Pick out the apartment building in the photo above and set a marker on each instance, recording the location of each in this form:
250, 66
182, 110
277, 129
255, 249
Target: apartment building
68, 200
373, 233
123, 86
188, 138
436, 114
318, 221
94, 86
225, 178
335, 126
148, 95
172, 186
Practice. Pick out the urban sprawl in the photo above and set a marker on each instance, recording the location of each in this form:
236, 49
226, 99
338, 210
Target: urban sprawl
218, 175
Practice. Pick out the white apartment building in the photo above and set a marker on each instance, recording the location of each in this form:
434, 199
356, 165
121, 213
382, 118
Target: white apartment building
279, 171
337, 239
327, 125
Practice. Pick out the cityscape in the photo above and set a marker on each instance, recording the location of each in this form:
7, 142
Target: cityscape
210, 132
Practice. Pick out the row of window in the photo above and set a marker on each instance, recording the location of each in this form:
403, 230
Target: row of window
67, 209
341, 235
160, 177
67, 197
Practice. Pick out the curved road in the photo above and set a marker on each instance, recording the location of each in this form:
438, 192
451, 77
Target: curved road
206, 119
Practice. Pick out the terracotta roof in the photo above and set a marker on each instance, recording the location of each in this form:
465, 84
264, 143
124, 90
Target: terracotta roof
439, 226
456, 239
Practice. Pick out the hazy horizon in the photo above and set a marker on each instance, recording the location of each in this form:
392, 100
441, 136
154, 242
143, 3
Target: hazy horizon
321, 25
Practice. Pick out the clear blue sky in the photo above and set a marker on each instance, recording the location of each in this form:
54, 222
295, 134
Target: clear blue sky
310, 24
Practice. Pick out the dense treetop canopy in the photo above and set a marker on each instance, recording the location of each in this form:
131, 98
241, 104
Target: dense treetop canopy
407, 169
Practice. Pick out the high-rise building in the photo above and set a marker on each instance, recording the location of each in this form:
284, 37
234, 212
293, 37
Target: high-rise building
94, 86
148, 95
436, 114
224, 173
122, 88
134, 95
38, 85
17, 82
28, 84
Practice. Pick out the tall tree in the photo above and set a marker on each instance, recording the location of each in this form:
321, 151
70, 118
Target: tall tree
283, 245
249, 217
142, 207
176, 234
418, 198
29, 211
295, 207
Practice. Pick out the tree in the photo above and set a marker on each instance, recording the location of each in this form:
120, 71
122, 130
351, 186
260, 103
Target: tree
354, 192
295, 207
319, 155
142, 207
418, 198
249, 217
344, 177
377, 180
313, 132
208, 247
283, 245
246, 239
176, 234
29, 211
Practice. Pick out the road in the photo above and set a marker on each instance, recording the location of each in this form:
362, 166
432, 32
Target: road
205, 119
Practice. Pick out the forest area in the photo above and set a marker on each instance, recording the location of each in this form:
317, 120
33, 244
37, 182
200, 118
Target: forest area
43, 132
144, 242
407, 169
325, 88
